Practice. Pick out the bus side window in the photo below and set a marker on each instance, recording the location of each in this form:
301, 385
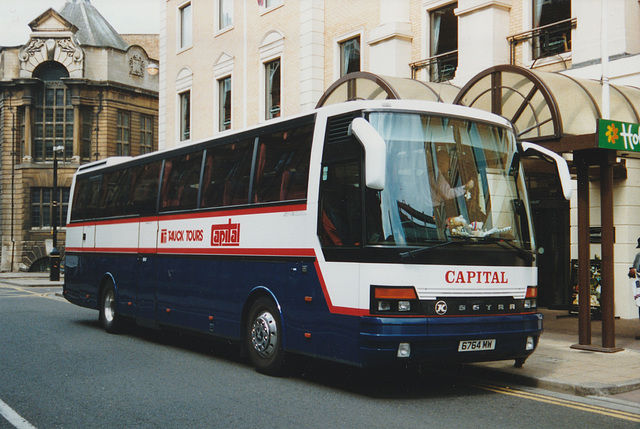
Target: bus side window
92, 199
114, 194
226, 174
144, 188
79, 196
282, 166
180, 182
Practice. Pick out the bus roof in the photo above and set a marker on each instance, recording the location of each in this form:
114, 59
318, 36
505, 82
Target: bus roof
445, 109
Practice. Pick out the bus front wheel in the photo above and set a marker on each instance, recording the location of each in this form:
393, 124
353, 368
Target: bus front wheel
109, 317
264, 337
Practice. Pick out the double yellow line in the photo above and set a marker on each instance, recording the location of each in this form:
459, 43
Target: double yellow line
10, 291
562, 402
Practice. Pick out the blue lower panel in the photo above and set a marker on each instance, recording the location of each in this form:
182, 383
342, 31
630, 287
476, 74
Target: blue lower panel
438, 339
210, 295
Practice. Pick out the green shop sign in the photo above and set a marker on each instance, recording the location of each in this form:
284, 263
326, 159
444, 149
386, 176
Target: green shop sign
618, 135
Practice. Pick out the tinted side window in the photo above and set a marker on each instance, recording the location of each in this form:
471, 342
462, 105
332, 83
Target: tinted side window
226, 174
282, 165
144, 188
180, 182
86, 197
115, 190
79, 196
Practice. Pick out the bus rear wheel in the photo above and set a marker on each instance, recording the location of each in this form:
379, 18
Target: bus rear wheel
263, 337
109, 317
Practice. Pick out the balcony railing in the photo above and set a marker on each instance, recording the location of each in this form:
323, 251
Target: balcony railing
440, 68
546, 41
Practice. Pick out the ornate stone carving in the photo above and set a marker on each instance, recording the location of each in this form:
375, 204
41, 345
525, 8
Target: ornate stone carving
34, 46
67, 46
136, 66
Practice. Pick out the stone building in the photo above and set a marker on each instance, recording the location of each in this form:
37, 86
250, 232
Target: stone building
228, 64
75, 91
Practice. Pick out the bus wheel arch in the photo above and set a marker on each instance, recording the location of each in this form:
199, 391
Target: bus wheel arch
109, 316
263, 333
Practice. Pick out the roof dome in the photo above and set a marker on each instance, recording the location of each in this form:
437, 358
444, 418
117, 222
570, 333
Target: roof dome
93, 28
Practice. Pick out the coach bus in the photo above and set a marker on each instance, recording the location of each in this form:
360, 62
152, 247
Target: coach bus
367, 232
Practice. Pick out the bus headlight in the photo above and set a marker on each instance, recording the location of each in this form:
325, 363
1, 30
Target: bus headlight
530, 301
394, 300
384, 306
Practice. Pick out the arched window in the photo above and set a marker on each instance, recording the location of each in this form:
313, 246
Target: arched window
53, 121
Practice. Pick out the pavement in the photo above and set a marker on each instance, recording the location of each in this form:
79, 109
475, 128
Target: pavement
554, 365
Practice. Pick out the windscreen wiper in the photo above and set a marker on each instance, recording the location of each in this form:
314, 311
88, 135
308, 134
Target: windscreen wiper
414, 252
526, 255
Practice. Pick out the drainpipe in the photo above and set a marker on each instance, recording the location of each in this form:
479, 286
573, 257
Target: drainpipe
97, 154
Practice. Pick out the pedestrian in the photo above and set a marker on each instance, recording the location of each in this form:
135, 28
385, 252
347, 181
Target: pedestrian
634, 274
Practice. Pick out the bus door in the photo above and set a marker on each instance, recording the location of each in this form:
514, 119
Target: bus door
146, 269
91, 202
143, 201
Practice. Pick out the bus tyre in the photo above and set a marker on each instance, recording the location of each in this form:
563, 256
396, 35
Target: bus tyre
109, 318
264, 337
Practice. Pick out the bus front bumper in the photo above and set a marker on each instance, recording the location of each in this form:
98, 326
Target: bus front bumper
387, 340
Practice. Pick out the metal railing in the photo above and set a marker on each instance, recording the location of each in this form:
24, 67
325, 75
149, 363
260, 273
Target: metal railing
440, 68
546, 41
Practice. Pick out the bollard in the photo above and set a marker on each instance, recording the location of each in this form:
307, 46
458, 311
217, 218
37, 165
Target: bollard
54, 274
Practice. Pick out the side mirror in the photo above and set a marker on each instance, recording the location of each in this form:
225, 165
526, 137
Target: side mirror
561, 165
375, 156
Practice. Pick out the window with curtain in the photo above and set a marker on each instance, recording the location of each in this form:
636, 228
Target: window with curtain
185, 26
444, 43
185, 115
224, 103
269, 3
555, 36
225, 14
272, 95
350, 56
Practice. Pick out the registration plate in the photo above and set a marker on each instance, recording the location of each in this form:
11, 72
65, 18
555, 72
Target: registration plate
476, 345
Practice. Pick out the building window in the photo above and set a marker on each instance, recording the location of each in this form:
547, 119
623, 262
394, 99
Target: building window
42, 207
185, 26
444, 43
224, 103
146, 134
554, 16
267, 4
350, 56
21, 133
53, 121
185, 115
87, 125
272, 94
123, 134
225, 14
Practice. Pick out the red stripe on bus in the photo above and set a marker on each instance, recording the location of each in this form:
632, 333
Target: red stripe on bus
196, 215
308, 253
237, 251
349, 311
334, 309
